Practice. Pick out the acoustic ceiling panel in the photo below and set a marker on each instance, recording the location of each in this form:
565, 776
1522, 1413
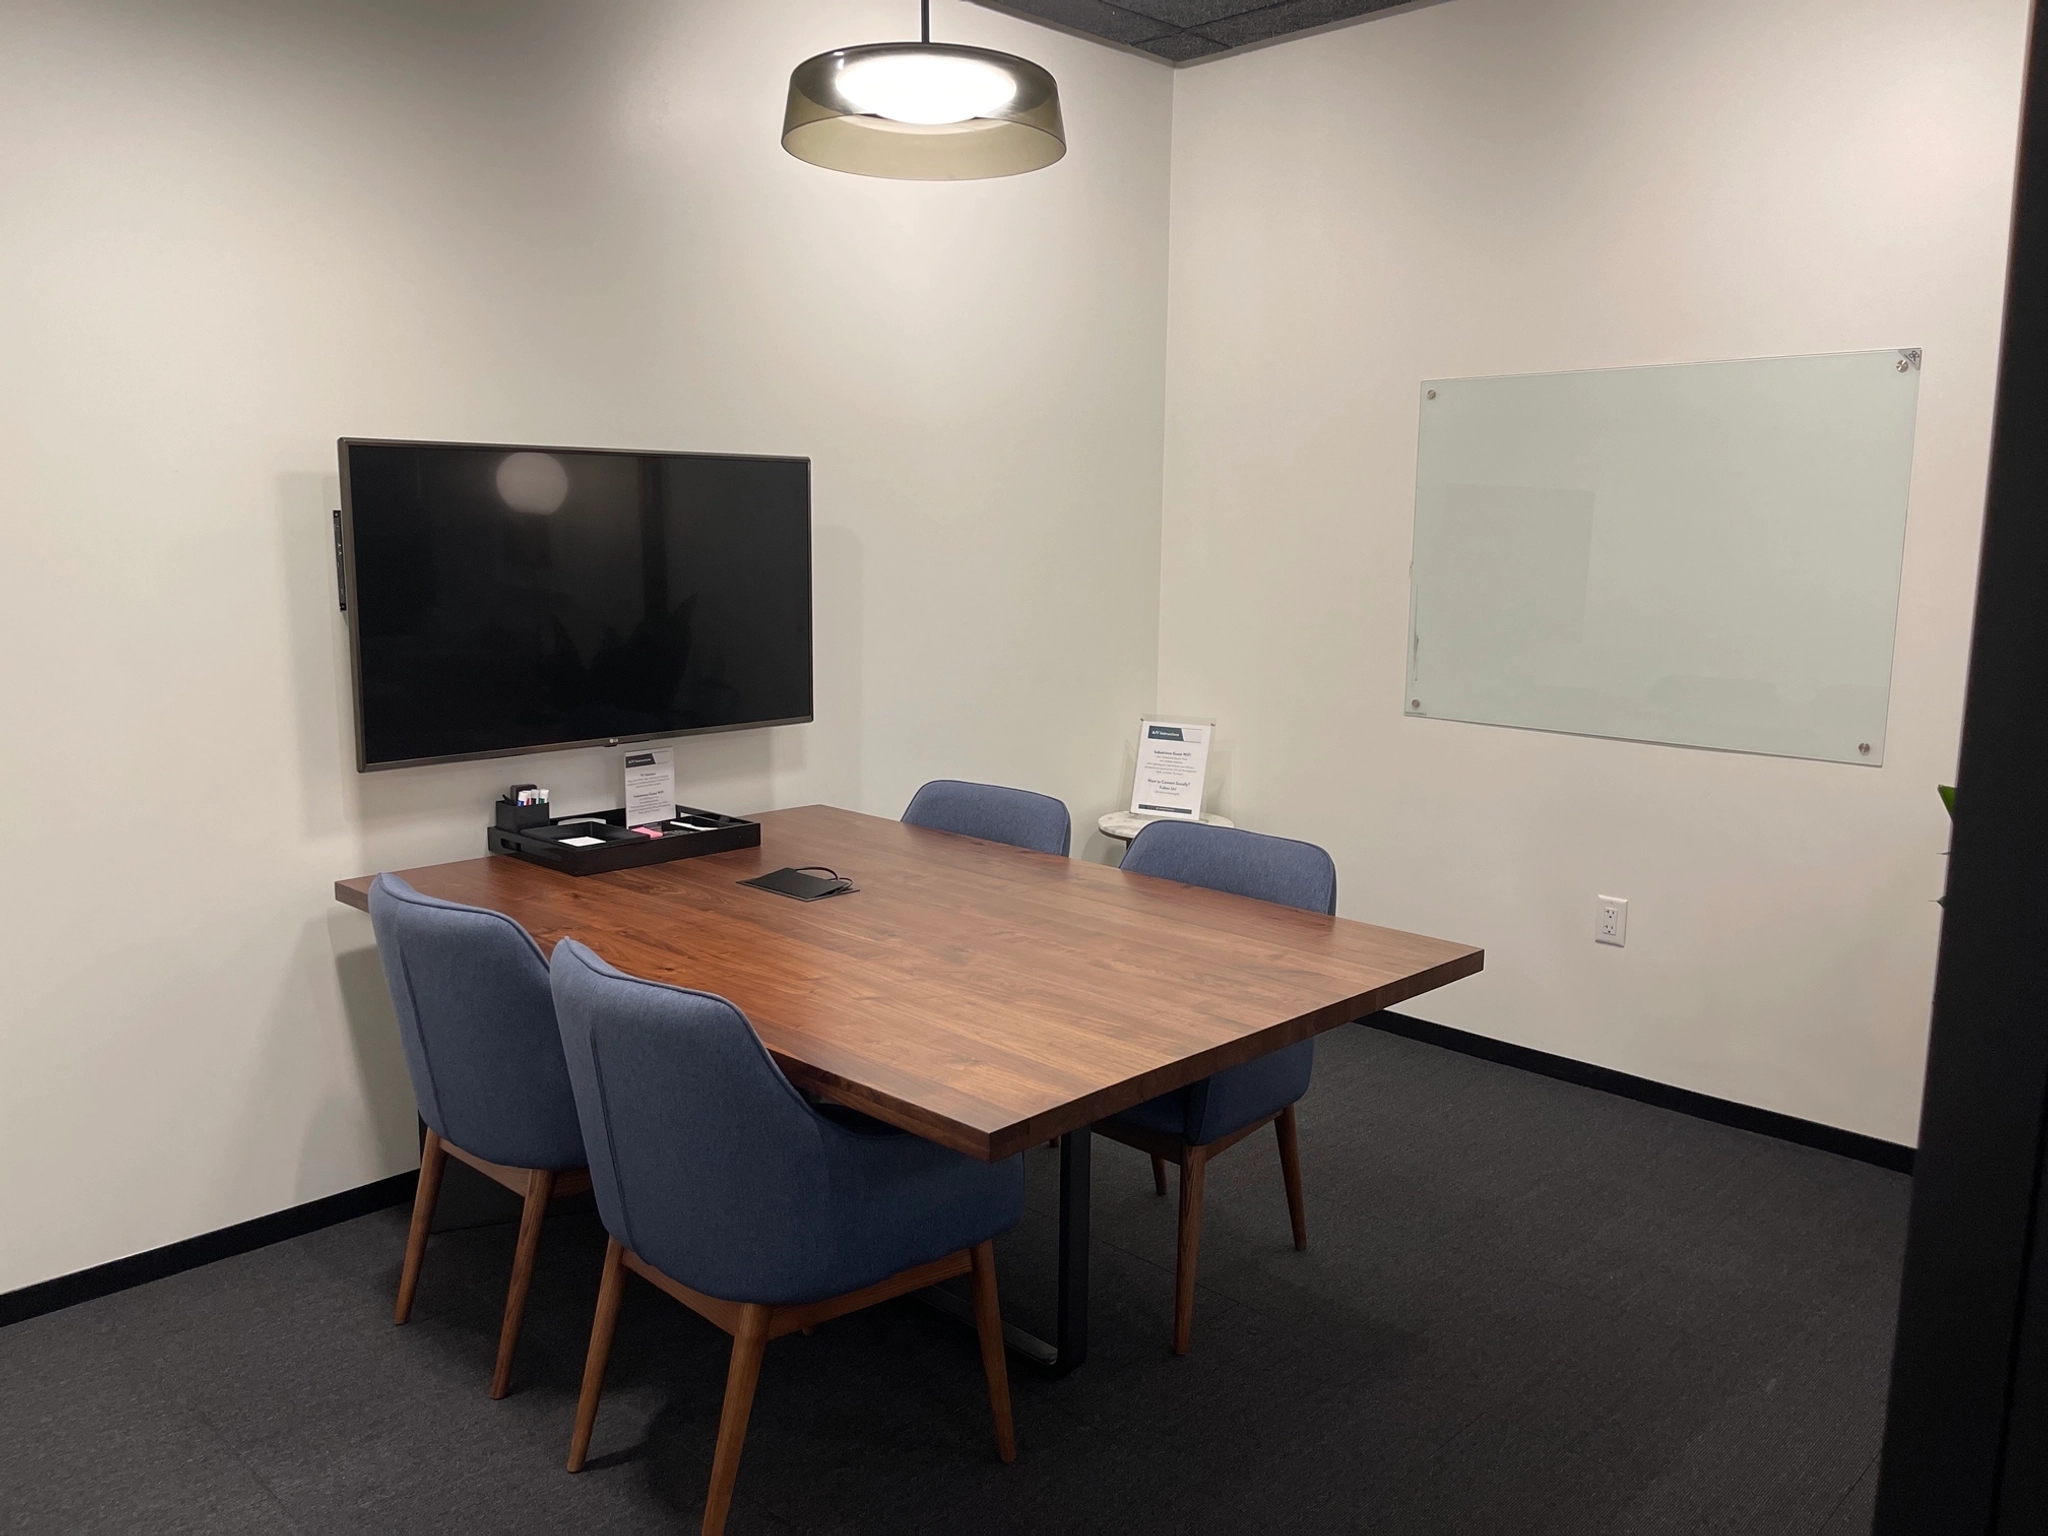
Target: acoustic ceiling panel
1188, 29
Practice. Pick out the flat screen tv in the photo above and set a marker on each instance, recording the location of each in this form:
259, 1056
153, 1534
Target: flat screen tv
505, 599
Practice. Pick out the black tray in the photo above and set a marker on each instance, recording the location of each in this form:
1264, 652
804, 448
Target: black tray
622, 847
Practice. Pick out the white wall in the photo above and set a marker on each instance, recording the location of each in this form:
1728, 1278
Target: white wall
1511, 186
231, 231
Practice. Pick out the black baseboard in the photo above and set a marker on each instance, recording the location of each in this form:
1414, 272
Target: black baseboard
140, 1268
1701, 1106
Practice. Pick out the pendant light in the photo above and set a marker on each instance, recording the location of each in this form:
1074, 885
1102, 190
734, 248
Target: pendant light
923, 111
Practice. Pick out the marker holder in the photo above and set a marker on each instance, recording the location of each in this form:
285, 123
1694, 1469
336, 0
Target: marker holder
619, 846
514, 817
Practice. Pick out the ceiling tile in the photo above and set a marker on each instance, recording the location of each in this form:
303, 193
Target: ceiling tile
1115, 23
1269, 21
1189, 29
1188, 13
1182, 45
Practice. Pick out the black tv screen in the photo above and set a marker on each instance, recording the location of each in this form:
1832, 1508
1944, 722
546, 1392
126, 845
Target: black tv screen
504, 599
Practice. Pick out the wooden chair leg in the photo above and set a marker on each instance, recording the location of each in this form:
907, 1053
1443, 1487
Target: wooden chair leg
540, 1189
609, 1290
1290, 1173
433, 1158
988, 1323
1158, 1174
1194, 1161
747, 1347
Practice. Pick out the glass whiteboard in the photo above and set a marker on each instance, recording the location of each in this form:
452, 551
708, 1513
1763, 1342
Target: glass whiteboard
1705, 554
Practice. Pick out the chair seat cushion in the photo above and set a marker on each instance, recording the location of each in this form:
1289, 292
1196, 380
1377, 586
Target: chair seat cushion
709, 1164
1167, 1114
1229, 1100
852, 1119
903, 1201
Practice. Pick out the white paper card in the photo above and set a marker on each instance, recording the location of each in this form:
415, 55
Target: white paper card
650, 786
1173, 756
581, 842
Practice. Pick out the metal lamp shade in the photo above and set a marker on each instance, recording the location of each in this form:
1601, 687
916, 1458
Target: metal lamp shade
826, 126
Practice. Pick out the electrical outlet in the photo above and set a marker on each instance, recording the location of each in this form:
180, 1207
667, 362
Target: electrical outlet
1610, 920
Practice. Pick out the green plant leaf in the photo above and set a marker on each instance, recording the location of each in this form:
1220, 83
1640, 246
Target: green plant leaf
1948, 798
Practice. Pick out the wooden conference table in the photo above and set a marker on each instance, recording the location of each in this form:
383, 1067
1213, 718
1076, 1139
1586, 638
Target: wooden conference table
982, 996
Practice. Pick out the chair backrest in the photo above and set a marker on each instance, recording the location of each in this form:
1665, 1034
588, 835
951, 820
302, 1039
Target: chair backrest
1231, 859
1020, 817
705, 1160
477, 1021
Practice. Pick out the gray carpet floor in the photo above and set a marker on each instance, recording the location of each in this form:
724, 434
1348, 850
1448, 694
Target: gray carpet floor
1527, 1307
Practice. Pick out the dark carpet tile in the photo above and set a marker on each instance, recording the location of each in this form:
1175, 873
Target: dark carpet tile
1857, 1512
1526, 1306
89, 1443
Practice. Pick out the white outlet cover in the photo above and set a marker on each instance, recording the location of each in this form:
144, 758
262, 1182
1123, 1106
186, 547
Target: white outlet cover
1610, 920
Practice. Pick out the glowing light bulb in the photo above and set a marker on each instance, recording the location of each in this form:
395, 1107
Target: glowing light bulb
927, 88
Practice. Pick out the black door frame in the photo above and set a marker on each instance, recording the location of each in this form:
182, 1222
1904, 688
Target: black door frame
1966, 1433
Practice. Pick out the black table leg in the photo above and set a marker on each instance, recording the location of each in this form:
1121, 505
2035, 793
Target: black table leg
1077, 1159
1069, 1348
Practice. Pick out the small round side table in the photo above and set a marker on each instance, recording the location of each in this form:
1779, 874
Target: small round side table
1125, 825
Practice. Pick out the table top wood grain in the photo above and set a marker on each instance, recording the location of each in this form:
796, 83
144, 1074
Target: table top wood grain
983, 996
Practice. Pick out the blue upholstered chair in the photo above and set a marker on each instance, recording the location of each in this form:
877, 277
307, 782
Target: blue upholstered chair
1192, 1125
721, 1186
1019, 817
478, 1024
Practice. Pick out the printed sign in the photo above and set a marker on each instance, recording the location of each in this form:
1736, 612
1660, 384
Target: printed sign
650, 786
1173, 757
